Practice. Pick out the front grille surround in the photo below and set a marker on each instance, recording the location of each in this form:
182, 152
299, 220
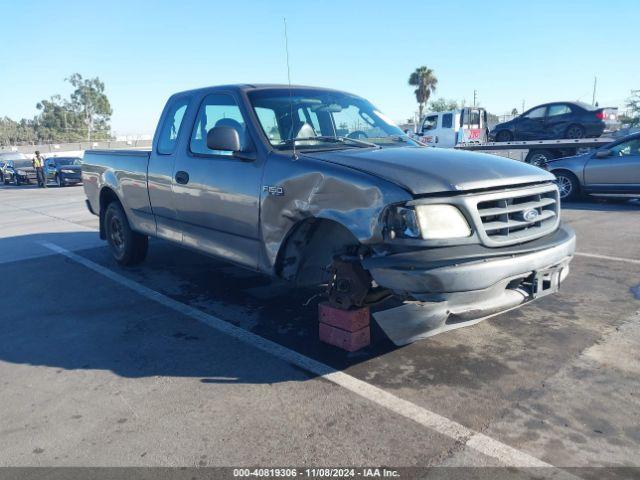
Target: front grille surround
495, 216
500, 217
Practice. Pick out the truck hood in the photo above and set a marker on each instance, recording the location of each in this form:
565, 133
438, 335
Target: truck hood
433, 170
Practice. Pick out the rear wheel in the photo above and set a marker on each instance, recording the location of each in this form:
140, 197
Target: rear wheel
127, 247
504, 136
539, 157
574, 131
568, 185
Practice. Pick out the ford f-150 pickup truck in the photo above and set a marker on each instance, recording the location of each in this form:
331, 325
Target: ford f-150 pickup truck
319, 187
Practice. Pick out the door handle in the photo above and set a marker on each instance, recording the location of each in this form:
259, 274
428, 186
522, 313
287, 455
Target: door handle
182, 177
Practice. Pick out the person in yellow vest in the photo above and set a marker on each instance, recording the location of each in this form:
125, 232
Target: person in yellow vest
38, 164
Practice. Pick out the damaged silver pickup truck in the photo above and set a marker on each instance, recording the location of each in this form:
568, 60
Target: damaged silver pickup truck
318, 187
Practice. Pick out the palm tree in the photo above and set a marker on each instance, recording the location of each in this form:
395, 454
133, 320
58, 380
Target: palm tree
425, 82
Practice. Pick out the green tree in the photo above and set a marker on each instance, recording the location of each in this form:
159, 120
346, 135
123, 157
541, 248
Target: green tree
633, 105
514, 111
442, 105
14, 133
89, 100
58, 122
425, 82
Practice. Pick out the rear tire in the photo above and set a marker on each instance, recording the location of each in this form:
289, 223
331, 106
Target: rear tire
539, 158
574, 131
504, 136
568, 185
127, 247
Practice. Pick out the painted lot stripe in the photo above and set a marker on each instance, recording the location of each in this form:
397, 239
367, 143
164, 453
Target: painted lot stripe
607, 257
475, 440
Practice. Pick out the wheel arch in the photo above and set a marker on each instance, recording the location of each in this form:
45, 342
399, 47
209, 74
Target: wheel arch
311, 244
107, 195
569, 172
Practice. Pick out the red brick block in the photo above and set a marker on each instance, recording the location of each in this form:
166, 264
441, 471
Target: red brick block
349, 320
349, 341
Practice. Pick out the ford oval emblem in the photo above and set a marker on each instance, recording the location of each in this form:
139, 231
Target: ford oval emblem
530, 215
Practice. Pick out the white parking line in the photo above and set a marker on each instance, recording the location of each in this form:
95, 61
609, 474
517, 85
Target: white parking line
483, 444
607, 257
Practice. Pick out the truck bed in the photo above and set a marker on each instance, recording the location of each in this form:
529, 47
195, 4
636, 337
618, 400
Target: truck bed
123, 171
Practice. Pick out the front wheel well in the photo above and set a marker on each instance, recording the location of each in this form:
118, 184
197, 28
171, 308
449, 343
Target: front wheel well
107, 195
306, 254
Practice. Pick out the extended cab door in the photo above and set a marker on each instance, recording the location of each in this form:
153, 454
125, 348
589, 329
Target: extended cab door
161, 167
619, 172
216, 195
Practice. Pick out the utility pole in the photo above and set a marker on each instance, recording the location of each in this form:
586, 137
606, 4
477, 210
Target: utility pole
595, 83
522, 111
475, 95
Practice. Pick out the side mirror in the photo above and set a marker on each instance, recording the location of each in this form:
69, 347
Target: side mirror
603, 153
223, 138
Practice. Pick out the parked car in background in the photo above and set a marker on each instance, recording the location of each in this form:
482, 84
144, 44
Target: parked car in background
613, 168
63, 170
19, 171
557, 120
5, 157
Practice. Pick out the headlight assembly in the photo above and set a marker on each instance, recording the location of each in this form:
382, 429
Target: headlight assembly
402, 222
64, 170
429, 222
442, 221
22, 173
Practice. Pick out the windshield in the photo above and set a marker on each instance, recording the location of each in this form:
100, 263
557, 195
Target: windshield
12, 156
22, 164
318, 119
67, 161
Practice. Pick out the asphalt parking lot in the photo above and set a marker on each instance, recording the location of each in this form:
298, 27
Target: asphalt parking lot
104, 366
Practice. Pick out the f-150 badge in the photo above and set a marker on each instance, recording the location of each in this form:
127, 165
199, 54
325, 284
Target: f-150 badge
273, 190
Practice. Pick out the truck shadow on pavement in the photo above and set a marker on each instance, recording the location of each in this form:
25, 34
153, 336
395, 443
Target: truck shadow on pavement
60, 314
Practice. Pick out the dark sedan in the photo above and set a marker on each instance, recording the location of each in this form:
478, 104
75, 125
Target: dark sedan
18, 172
63, 170
613, 168
556, 120
5, 157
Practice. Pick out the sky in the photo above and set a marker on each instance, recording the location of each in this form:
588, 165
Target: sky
508, 51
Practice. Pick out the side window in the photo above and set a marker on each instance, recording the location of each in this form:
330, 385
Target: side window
447, 120
171, 127
217, 110
430, 123
625, 149
555, 110
536, 113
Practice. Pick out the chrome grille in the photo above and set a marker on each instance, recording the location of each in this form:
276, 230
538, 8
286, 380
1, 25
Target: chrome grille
519, 215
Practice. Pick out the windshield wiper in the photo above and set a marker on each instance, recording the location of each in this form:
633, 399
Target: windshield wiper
326, 138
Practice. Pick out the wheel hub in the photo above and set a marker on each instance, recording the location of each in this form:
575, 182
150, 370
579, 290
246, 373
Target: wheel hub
116, 234
564, 185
